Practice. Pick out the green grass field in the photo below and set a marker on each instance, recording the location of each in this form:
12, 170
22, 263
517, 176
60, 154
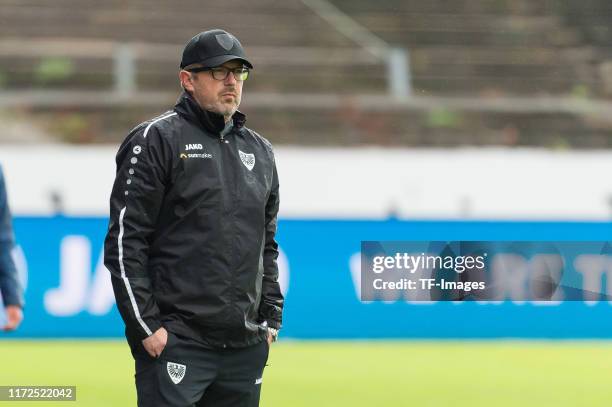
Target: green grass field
352, 374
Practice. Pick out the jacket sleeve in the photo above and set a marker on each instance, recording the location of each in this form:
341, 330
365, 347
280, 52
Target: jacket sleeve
10, 287
143, 163
271, 306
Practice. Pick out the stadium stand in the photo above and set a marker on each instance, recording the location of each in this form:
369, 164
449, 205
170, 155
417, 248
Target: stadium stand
547, 61
484, 47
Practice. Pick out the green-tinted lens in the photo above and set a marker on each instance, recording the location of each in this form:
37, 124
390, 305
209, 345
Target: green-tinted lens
241, 74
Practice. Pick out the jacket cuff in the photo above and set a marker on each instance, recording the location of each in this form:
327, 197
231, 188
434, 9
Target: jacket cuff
268, 312
15, 303
152, 324
12, 299
273, 314
274, 324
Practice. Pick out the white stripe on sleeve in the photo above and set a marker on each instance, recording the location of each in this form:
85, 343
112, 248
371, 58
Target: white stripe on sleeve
125, 279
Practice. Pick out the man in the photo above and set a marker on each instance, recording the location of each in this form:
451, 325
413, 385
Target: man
191, 243
12, 296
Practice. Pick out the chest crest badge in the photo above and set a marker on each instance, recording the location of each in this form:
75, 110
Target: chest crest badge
247, 159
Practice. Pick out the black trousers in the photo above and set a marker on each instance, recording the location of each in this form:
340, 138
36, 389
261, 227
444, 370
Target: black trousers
187, 374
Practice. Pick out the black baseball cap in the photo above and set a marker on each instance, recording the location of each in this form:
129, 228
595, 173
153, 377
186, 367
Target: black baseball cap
213, 48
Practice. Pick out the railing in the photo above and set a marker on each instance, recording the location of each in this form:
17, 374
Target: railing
126, 55
397, 60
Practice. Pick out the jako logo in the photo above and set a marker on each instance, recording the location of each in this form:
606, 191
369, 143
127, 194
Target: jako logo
80, 290
193, 147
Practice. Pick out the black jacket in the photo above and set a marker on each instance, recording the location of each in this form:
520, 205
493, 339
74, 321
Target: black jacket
190, 244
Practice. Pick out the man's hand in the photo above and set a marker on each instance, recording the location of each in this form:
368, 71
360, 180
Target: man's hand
272, 335
14, 316
155, 344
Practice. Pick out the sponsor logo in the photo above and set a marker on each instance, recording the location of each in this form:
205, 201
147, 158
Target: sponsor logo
258, 381
176, 371
192, 155
247, 159
86, 291
193, 147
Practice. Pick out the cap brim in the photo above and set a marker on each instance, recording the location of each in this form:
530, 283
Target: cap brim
221, 59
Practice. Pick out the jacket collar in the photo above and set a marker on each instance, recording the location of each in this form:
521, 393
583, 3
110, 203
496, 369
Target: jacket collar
210, 121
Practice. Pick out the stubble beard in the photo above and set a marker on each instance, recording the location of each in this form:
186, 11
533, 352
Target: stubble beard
227, 110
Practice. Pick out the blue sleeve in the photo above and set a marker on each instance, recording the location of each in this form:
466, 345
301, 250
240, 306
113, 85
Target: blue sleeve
9, 284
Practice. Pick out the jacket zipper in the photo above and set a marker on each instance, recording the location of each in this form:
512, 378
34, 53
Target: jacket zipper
222, 140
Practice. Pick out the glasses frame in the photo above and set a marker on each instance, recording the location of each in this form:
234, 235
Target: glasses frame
216, 69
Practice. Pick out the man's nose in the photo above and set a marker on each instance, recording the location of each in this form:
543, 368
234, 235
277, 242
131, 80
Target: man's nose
231, 79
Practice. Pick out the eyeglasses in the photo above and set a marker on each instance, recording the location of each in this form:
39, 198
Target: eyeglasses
220, 73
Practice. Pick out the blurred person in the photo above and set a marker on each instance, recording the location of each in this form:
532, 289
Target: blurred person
10, 288
191, 242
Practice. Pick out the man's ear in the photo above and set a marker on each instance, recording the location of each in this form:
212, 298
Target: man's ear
186, 80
